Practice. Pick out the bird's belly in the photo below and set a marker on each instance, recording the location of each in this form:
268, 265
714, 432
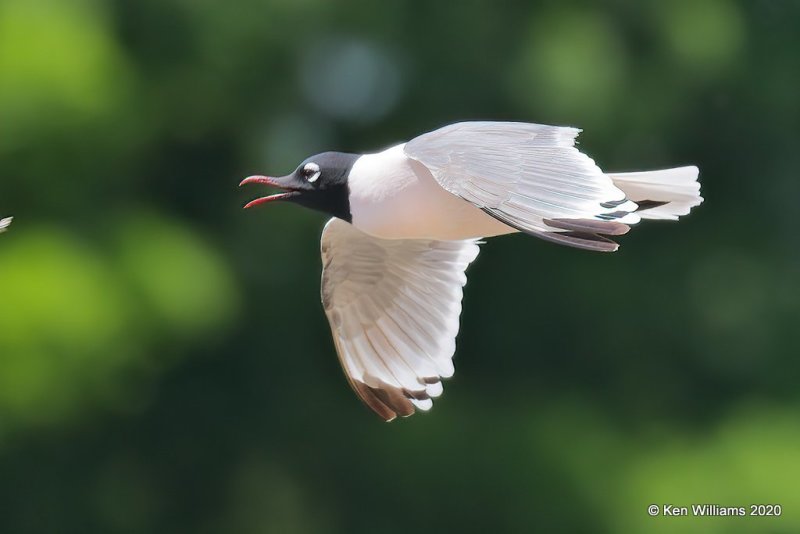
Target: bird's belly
448, 218
408, 203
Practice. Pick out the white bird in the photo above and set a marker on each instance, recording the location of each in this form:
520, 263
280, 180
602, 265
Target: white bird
5, 223
407, 223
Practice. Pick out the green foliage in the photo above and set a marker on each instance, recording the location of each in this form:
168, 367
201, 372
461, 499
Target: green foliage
184, 287
63, 318
748, 459
60, 63
574, 62
75, 321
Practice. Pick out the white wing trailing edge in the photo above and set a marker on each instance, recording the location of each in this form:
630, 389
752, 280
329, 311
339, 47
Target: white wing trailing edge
393, 307
5, 223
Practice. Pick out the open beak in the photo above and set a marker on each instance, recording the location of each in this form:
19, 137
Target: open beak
273, 182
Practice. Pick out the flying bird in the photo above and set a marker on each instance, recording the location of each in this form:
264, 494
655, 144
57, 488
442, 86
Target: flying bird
407, 222
5, 223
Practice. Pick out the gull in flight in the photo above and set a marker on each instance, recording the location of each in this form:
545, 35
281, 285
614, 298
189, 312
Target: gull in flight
407, 222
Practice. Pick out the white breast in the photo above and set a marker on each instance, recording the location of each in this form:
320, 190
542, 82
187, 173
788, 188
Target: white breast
394, 197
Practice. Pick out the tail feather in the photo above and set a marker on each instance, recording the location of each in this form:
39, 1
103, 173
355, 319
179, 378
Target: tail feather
664, 194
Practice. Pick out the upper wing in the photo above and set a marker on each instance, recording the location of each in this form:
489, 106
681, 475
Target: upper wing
4, 223
529, 176
393, 306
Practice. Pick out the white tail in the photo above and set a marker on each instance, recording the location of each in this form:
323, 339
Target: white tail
675, 191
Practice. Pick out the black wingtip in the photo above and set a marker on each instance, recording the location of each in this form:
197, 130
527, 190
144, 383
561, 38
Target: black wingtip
589, 226
649, 204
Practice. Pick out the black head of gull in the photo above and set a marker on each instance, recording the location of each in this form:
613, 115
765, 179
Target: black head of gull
319, 183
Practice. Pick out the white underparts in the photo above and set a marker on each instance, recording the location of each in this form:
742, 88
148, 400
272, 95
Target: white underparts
395, 197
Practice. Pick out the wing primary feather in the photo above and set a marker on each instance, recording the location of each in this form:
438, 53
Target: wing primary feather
422, 365
649, 204
589, 226
394, 399
368, 396
581, 240
363, 391
443, 365
591, 242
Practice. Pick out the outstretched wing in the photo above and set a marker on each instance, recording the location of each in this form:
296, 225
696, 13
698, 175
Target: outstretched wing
5, 223
529, 176
393, 306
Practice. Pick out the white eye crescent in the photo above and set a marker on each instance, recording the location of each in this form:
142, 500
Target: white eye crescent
311, 172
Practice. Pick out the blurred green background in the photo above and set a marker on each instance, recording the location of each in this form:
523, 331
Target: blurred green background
165, 364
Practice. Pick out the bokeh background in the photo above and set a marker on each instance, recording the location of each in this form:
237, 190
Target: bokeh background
165, 364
